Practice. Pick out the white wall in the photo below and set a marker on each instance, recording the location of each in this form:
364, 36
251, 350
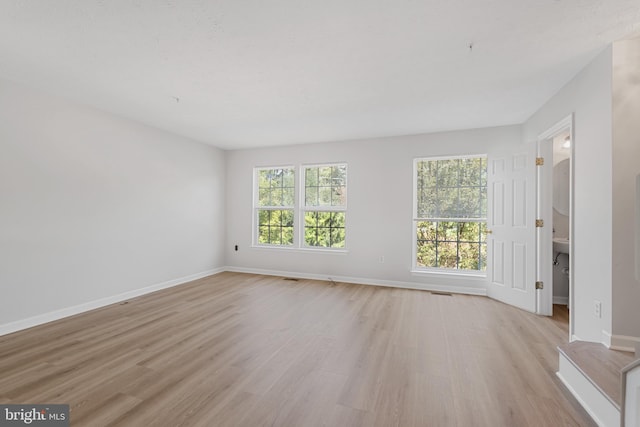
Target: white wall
588, 96
626, 167
93, 206
379, 205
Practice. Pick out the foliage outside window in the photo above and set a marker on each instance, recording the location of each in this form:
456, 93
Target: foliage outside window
450, 214
325, 203
275, 206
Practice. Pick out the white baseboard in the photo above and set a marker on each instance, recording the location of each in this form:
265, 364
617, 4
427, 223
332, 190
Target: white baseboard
624, 343
606, 339
40, 319
362, 281
561, 300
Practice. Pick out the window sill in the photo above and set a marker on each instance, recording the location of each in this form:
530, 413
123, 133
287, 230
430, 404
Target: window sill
301, 250
465, 274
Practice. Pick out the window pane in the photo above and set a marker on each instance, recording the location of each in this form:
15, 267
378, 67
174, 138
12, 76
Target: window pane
288, 196
426, 174
469, 231
469, 205
339, 196
264, 178
310, 229
311, 177
276, 197
337, 220
428, 203
275, 227
469, 256
276, 187
286, 218
426, 244
426, 253
263, 236
453, 188
324, 238
324, 196
470, 172
324, 176
288, 178
276, 178
426, 230
447, 231
447, 253
447, 202
311, 196
287, 236
447, 175
337, 237
451, 245
483, 231
325, 229
326, 186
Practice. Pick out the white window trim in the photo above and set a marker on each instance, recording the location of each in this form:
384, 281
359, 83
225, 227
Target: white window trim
435, 271
304, 208
255, 208
299, 210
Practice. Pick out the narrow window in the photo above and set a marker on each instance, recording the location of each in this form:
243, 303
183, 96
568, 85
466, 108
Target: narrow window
274, 205
450, 213
325, 206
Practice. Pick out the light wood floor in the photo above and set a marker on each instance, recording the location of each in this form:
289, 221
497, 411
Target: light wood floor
602, 366
245, 350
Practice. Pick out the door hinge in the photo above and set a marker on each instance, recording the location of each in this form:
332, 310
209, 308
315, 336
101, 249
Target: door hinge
539, 223
539, 285
539, 161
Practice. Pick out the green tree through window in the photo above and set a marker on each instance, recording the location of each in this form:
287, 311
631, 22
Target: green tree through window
275, 206
450, 213
325, 204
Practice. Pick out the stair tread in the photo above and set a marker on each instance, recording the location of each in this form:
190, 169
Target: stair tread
600, 365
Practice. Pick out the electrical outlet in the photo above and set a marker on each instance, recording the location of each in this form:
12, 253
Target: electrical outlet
597, 309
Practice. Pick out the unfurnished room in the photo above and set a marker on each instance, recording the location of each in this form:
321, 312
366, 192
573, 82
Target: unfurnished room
320, 213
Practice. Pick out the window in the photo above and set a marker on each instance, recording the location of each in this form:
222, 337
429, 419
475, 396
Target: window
450, 213
275, 206
325, 204
321, 207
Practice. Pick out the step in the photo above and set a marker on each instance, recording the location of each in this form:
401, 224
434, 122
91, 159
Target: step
592, 372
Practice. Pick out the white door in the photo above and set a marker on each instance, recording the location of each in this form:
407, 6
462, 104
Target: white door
511, 242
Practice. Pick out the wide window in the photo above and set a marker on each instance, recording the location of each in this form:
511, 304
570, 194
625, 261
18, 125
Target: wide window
309, 216
275, 206
450, 213
325, 205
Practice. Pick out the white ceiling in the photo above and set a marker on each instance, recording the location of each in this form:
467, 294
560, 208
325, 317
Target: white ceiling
249, 73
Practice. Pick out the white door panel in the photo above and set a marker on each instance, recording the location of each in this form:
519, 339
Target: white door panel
511, 244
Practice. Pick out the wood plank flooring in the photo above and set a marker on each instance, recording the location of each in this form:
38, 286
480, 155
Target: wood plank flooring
247, 350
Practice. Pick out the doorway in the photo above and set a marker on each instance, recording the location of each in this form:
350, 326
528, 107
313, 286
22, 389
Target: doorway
555, 178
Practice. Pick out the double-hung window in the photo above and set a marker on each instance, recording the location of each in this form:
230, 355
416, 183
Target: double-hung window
316, 219
274, 206
450, 213
325, 205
